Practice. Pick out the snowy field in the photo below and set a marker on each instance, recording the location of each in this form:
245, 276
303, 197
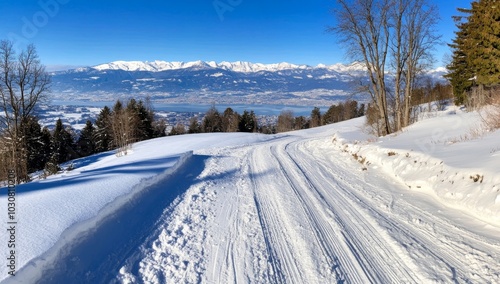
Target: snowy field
325, 205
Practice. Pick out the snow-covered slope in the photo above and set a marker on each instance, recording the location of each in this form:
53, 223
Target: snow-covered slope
448, 155
297, 207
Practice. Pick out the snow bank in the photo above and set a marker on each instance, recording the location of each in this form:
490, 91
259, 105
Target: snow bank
52, 212
47, 208
447, 156
33, 270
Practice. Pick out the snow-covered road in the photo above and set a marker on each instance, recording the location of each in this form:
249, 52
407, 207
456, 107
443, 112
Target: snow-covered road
295, 210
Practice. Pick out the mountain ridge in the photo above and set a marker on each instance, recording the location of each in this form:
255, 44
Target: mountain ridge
202, 81
236, 66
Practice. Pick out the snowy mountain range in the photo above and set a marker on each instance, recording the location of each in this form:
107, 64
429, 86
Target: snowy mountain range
238, 66
200, 81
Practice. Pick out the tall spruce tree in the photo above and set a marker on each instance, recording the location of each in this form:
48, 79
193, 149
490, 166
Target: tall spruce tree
212, 122
483, 41
37, 144
145, 125
62, 145
315, 117
194, 125
85, 144
103, 135
476, 49
248, 122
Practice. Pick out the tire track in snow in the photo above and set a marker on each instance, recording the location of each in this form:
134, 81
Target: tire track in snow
276, 274
442, 247
327, 242
362, 240
367, 243
238, 253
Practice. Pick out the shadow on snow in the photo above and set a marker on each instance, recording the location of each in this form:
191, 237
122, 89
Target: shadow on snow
153, 166
98, 254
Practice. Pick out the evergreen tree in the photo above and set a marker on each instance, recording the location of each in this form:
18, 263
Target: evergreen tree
461, 71
85, 144
484, 40
350, 109
333, 114
62, 144
146, 122
194, 125
131, 118
301, 123
212, 122
361, 110
140, 121
159, 128
476, 49
230, 120
248, 122
103, 135
315, 117
38, 147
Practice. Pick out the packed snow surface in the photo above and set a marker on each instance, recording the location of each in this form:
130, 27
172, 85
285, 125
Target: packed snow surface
325, 205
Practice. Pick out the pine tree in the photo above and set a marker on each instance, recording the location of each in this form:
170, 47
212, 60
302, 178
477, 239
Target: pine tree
62, 144
461, 72
230, 120
361, 110
85, 144
315, 117
248, 122
36, 143
146, 121
212, 122
476, 49
159, 128
194, 125
350, 109
131, 119
103, 135
484, 41
300, 123
333, 114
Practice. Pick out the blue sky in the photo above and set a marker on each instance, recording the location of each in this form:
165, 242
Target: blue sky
87, 33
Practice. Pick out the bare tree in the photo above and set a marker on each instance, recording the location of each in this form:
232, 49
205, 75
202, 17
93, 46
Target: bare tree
121, 126
230, 120
389, 36
285, 121
23, 84
364, 28
421, 38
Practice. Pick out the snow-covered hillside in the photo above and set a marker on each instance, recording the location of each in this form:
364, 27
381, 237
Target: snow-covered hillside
298, 207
